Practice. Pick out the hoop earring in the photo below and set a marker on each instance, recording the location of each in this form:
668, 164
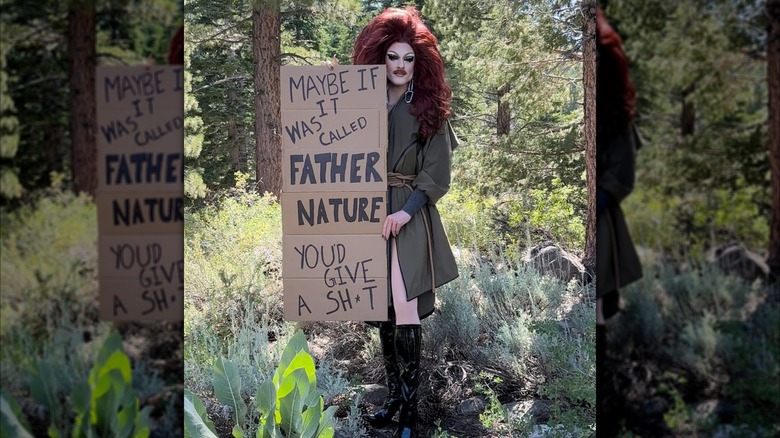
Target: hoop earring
409, 92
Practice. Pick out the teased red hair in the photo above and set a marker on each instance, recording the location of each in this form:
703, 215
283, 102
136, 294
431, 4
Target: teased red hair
432, 95
176, 48
615, 94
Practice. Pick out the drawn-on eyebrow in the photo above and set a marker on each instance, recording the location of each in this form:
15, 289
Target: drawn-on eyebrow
392, 55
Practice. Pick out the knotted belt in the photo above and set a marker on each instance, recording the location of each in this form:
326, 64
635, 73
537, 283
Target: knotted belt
398, 180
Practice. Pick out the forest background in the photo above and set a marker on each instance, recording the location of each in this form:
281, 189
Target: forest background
678, 354
51, 337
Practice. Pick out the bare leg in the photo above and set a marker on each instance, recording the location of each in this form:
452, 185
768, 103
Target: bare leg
405, 311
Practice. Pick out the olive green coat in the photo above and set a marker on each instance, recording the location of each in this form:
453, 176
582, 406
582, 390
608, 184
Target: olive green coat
431, 162
617, 263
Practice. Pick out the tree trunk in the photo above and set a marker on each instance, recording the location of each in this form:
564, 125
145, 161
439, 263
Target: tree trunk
773, 85
81, 56
502, 117
688, 113
589, 85
266, 48
234, 143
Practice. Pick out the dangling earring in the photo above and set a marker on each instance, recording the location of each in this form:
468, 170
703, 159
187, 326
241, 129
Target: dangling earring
409, 92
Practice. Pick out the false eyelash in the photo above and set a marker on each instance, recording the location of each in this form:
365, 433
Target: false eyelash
392, 57
409, 59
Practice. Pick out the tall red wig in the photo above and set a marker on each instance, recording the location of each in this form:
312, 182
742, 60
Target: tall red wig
615, 94
432, 95
176, 48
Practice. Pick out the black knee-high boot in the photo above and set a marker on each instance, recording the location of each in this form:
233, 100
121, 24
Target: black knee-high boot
408, 339
384, 415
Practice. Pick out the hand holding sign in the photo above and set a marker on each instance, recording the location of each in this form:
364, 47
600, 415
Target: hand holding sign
394, 222
330, 64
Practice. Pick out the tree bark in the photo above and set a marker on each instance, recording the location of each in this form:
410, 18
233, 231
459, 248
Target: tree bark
589, 85
82, 62
502, 116
688, 112
773, 85
266, 47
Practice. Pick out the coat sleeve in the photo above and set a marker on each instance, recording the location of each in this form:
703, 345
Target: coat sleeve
435, 161
617, 176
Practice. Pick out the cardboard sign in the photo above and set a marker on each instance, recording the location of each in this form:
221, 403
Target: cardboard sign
334, 196
333, 213
315, 170
142, 274
309, 300
310, 129
140, 196
330, 91
334, 259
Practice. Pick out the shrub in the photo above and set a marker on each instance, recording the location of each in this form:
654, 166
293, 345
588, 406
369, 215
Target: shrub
48, 263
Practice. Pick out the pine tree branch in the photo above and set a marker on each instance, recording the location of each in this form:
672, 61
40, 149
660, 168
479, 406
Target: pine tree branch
296, 56
232, 78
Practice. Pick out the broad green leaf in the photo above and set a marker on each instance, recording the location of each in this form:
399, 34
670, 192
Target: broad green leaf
200, 410
327, 428
311, 421
80, 398
12, 423
237, 432
112, 344
106, 405
122, 422
303, 360
297, 343
142, 427
118, 361
313, 399
287, 386
227, 387
44, 385
271, 428
194, 424
266, 397
52, 432
291, 405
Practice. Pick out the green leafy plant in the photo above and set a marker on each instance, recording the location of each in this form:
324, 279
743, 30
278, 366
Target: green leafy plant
495, 413
289, 402
227, 388
196, 419
104, 405
12, 422
107, 405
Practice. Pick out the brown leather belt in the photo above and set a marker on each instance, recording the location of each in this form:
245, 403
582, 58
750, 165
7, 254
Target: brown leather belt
398, 180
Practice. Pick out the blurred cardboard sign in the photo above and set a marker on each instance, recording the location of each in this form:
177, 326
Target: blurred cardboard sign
334, 196
140, 195
141, 274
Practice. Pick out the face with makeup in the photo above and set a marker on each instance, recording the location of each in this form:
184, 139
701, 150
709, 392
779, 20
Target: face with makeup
399, 61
